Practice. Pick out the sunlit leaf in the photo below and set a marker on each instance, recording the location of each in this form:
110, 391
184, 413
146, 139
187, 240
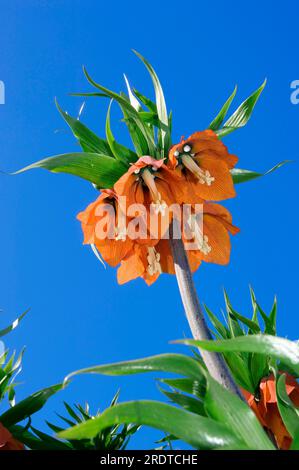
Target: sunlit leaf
119, 151
160, 101
278, 348
287, 409
99, 169
242, 176
242, 115
13, 325
28, 406
174, 363
217, 121
198, 431
88, 140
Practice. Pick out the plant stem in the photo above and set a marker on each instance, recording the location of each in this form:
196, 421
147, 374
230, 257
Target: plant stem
215, 363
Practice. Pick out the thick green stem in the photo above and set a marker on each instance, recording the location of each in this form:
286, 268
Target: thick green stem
215, 363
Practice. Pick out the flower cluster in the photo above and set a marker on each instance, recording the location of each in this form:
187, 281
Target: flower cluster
129, 224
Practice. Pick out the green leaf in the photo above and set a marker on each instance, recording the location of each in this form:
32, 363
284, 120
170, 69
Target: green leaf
216, 123
13, 325
99, 169
38, 443
160, 102
131, 112
219, 327
289, 413
242, 176
191, 386
242, 115
295, 443
253, 326
174, 363
88, 140
227, 408
199, 432
188, 403
279, 348
29, 405
133, 100
146, 101
119, 151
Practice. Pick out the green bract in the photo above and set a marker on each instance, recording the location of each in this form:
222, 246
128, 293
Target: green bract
104, 161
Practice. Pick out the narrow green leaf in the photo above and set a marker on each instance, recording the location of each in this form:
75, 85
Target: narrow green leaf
131, 112
279, 348
289, 413
295, 443
133, 100
88, 140
191, 386
188, 403
242, 115
146, 101
13, 325
227, 408
99, 169
242, 176
219, 327
119, 151
216, 123
160, 100
174, 363
198, 431
29, 405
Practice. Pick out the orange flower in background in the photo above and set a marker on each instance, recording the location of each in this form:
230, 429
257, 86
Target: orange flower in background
204, 162
266, 409
7, 441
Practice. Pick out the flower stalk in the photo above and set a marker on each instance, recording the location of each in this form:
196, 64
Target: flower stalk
215, 363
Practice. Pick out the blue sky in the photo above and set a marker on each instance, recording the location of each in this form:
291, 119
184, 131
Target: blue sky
79, 315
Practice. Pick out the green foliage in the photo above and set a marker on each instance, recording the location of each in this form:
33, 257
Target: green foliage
99, 169
114, 437
242, 176
217, 418
104, 161
240, 117
247, 367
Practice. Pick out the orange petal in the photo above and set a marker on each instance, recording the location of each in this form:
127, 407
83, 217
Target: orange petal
222, 187
218, 240
130, 268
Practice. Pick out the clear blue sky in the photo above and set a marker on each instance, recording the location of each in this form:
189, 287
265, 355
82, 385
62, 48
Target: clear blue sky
79, 315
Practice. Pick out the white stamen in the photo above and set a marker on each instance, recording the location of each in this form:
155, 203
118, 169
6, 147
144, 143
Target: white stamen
176, 153
154, 168
187, 148
153, 259
201, 239
204, 176
137, 171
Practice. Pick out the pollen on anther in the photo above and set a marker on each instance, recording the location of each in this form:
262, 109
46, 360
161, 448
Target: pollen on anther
176, 153
187, 148
137, 172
